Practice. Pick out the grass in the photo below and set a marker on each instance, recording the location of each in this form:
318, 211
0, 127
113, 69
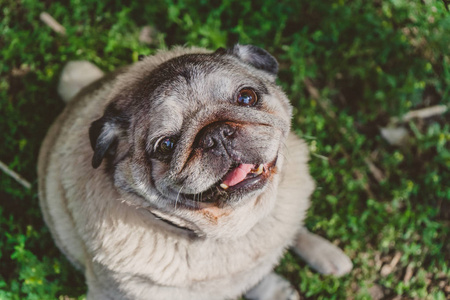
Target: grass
387, 206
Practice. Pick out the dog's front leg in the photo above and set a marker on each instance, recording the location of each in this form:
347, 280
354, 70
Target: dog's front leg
273, 287
321, 255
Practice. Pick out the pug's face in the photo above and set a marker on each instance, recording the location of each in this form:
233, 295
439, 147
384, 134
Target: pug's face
198, 139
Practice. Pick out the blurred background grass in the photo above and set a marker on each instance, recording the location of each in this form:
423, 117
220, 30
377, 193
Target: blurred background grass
349, 67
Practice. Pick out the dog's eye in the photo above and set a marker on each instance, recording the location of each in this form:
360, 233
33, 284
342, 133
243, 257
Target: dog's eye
247, 97
166, 145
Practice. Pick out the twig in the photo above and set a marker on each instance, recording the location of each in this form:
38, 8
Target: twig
314, 92
15, 176
360, 176
395, 259
52, 23
320, 156
377, 173
387, 269
19, 72
408, 273
422, 113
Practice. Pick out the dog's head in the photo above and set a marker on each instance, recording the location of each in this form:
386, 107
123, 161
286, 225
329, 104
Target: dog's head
197, 137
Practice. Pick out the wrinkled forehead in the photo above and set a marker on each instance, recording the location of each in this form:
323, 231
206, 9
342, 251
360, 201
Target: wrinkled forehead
181, 86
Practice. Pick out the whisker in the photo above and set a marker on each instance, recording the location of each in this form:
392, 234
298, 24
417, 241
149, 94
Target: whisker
178, 195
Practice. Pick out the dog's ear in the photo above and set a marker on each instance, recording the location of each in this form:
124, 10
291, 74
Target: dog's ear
255, 56
104, 134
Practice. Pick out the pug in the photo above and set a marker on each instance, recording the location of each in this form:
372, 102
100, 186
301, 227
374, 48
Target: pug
178, 178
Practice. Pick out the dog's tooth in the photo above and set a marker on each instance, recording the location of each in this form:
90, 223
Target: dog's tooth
224, 186
259, 170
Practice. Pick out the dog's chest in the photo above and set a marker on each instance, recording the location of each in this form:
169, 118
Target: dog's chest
165, 259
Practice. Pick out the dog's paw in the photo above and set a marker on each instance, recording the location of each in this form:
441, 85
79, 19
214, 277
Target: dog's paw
75, 76
321, 255
273, 287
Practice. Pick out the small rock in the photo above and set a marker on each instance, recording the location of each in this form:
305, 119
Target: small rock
376, 292
396, 136
147, 35
386, 270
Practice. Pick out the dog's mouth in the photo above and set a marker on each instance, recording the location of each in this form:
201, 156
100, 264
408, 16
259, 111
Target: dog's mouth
240, 179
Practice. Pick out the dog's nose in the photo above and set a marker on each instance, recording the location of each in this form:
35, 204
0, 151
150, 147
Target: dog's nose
216, 136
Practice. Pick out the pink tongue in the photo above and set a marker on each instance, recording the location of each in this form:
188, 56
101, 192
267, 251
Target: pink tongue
237, 175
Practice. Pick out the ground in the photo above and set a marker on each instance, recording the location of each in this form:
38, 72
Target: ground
352, 69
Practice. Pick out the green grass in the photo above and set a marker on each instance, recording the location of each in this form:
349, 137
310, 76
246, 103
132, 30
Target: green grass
369, 61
